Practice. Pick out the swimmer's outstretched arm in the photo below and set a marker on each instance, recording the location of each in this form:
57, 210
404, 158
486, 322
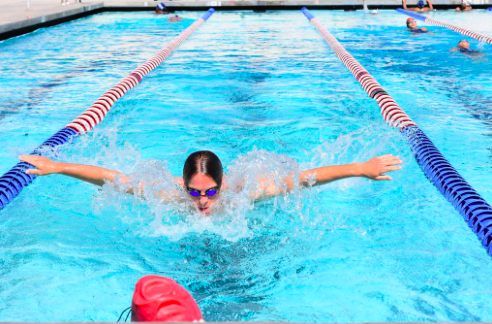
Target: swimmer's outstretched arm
89, 173
374, 169
92, 174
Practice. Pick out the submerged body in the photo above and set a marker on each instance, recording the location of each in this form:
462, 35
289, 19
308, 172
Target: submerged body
175, 18
412, 27
465, 6
464, 48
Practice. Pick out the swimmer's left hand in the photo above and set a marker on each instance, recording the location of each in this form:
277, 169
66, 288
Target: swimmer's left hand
376, 168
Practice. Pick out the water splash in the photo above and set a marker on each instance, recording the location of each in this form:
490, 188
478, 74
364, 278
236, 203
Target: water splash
176, 218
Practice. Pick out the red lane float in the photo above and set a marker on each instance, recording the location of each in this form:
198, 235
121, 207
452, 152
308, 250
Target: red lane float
460, 30
98, 110
391, 111
474, 209
14, 180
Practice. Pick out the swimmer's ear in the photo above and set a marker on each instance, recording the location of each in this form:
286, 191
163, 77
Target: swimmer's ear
223, 186
179, 181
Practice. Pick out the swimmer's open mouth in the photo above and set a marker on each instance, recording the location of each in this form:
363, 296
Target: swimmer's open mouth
203, 209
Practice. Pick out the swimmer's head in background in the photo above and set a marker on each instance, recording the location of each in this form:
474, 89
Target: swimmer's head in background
411, 21
464, 45
160, 299
161, 7
204, 162
421, 4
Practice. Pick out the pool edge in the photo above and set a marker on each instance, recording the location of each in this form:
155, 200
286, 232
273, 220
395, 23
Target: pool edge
27, 21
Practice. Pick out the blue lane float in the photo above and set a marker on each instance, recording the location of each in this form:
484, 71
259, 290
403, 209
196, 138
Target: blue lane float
474, 209
12, 182
412, 14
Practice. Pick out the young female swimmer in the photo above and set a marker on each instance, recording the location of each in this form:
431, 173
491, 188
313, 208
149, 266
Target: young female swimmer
203, 176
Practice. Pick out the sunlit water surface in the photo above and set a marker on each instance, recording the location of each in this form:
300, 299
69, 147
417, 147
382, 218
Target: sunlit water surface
265, 93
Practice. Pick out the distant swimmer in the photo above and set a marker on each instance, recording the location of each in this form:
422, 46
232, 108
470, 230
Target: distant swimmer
161, 9
412, 27
420, 6
175, 18
465, 6
464, 47
204, 180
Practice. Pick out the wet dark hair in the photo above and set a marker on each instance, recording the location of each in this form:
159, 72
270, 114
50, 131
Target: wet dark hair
204, 162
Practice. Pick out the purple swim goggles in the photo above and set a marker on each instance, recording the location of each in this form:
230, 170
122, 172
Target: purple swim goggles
208, 193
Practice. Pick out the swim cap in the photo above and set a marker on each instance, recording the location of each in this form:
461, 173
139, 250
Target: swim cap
409, 20
160, 299
161, 6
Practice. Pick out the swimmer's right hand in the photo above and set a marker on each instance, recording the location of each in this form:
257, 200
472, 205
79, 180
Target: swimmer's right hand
43, 165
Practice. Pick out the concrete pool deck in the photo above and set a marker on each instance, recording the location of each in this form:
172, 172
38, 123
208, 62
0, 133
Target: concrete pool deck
17, 19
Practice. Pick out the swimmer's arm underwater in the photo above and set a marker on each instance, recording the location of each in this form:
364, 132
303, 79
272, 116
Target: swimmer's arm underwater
374, 169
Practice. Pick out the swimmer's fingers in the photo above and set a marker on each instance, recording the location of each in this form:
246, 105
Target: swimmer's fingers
392, 168
34, 172
388, 158
391, 164
383, 177
43, 165
376, 167
385, 157
393, 161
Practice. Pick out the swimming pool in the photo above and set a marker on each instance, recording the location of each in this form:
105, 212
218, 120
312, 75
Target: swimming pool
255, 85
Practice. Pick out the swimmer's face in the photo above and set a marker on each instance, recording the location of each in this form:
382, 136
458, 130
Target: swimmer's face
464, 44
201, 182
412, 24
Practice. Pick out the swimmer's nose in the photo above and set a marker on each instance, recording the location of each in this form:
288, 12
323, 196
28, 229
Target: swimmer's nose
203, 200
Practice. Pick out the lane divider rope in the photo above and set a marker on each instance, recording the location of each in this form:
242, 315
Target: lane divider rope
474, 209
14, 180
460, 30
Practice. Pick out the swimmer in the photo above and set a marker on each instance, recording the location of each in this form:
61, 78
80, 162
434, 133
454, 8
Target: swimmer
161, 9
175, 18
464, 47
421, 6
465, 6
412, 27
203, 178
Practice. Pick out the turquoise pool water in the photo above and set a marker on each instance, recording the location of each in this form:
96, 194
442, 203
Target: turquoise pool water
258, 89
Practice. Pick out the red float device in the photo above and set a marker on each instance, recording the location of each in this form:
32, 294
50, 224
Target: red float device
160, 299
